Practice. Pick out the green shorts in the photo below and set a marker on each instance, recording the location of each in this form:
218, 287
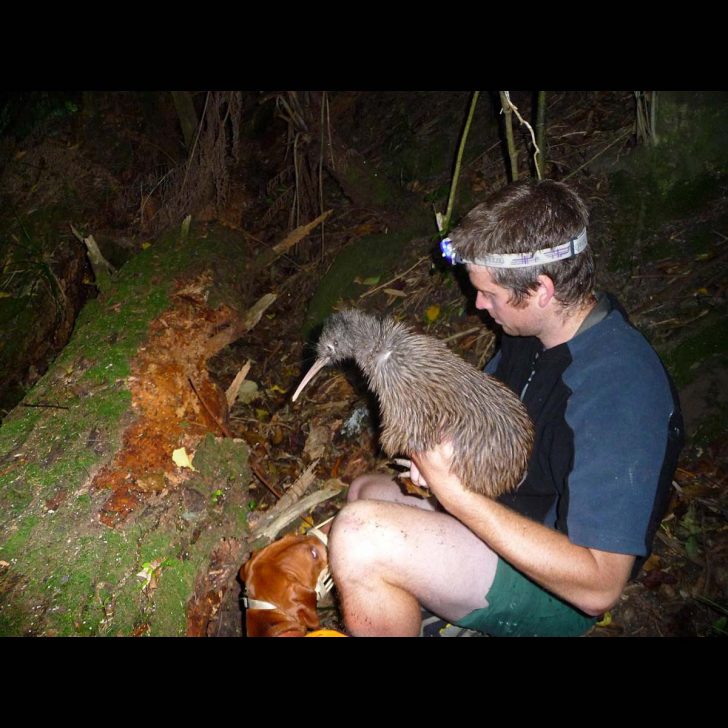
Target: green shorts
520, 608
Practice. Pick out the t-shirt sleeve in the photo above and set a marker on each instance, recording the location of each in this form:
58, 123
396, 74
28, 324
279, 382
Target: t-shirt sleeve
620, 420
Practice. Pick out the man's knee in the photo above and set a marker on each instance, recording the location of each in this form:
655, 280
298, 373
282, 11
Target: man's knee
370, 486
358, 538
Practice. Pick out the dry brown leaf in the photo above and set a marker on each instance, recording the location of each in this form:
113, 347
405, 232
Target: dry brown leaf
317, 441
232, 391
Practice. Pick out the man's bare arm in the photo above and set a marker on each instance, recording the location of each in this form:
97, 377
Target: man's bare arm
588, 578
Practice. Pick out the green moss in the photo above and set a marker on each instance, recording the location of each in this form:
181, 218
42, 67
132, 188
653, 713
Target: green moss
71, 575
221, 462
710, 428
672, 180
175, 585
15, 544
709, 340
369, 256
13, 620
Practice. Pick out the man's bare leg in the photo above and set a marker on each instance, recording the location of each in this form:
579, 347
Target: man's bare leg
391, 553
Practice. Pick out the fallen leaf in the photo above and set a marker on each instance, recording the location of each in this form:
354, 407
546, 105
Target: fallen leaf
366, 228
692, 549
317, 441
150, 573
432, 313
370, 281
275, 388
146, 245
248, 392
232, 390
182, 459
395, 292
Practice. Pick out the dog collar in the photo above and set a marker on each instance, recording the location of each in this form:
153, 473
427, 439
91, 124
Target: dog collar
257, 604
324, 584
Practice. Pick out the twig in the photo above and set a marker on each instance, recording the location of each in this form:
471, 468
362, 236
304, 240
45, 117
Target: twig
396, 278
299, 233
232, 391
98, 262
197, 138
443, 226
291, 496
462, 333
598, 154
301, 485
540, 134
512, 152
251, 317
258, 472
223, 427
42, 404
514, 108
683, 323
272, 529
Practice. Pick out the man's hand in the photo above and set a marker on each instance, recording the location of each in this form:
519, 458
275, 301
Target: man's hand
432, 469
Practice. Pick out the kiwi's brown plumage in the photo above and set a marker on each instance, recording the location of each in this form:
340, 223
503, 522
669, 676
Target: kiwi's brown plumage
427, 393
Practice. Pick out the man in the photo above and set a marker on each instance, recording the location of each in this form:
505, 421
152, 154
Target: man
549, 558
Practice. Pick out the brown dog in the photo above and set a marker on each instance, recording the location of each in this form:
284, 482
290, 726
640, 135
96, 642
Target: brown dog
280, 582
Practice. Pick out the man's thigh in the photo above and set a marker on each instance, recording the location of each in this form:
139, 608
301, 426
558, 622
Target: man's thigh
427, 553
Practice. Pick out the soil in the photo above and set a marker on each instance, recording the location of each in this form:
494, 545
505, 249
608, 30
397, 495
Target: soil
668, 267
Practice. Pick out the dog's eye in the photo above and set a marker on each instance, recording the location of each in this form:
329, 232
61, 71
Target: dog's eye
314, 553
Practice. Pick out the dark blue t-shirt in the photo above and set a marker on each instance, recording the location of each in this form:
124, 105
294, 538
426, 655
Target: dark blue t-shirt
608, 433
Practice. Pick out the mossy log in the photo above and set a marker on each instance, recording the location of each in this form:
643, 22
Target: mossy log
101, 532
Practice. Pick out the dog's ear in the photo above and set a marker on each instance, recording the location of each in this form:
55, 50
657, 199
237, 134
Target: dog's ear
304, 599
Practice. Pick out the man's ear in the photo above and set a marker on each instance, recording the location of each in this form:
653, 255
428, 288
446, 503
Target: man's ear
545, 291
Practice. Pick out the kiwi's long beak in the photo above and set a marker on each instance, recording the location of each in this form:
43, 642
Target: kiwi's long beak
310, 374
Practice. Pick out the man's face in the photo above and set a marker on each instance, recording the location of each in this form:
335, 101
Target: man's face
522, 321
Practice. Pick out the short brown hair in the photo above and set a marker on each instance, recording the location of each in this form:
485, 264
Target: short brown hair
522, 218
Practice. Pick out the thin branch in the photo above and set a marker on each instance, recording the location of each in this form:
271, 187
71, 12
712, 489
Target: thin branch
258, 472
540, 160
43, 404
458, 163
271, 529
514, 108
598, 154
197, 138
223, 427
460, 334
396, 278
512, 151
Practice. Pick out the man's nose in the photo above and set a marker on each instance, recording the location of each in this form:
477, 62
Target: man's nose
481, 302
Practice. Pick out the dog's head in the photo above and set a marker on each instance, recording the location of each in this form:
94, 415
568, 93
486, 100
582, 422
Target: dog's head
284, 573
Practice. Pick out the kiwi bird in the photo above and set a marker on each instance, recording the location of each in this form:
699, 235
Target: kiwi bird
427, 394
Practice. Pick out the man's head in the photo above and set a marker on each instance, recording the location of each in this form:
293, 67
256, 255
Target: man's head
527, 217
